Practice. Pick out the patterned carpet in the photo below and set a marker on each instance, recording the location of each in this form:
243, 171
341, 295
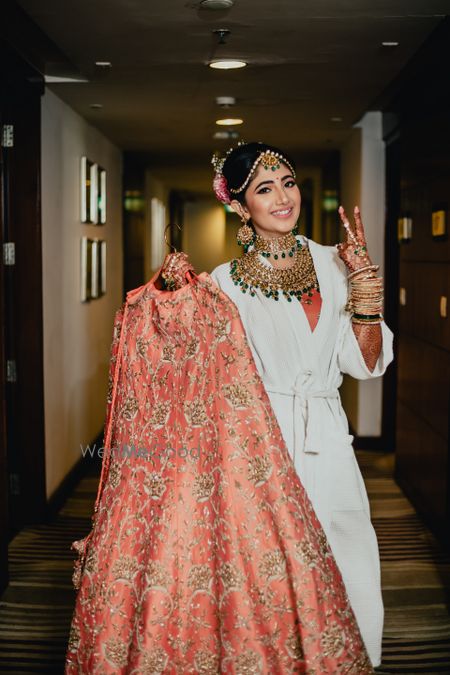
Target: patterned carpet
36, 608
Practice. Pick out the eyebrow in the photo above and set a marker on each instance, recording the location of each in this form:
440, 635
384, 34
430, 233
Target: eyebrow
264, 182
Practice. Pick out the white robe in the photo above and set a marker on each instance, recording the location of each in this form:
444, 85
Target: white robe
302, 371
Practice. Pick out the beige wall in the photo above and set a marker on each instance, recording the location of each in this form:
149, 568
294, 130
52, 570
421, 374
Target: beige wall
350, 195
77, 336
204, 234
363, 183
153, 188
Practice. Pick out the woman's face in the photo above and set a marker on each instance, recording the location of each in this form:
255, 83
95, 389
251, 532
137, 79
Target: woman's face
272, 201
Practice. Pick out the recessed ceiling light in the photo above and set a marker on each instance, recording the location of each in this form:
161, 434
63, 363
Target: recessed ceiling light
96, 106
103, 64
229, 121
216, 4
227, 64
390, 44
336, 119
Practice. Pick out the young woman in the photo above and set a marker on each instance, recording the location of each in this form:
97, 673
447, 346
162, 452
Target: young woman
310, 313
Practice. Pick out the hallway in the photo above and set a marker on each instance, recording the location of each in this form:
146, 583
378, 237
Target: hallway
112, 116
36, 608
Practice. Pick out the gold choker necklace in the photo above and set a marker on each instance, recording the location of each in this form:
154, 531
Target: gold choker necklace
281, 247
298, 280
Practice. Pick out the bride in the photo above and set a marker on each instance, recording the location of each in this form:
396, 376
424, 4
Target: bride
310, 313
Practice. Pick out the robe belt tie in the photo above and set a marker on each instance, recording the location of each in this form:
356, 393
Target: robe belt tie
307, 416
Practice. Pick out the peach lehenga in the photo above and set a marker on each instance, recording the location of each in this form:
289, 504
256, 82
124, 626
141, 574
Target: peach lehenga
205, 554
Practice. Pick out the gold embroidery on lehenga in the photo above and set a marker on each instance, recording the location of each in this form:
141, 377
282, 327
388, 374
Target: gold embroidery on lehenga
200, 577
74, 638
203, 486
231, 576
248, 663
273, 565
160, 413
129, 410
206, 663
168, 353
332, 641
306, 553
114, 475
125, 567
142, 346
238, 395
116, 651
157, 575
154, 662
195, 413
154, 485
91, 561
259, 469
294, 646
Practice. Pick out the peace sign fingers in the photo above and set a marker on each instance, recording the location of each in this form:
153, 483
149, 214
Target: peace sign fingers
354, 250
351, 236
361, 237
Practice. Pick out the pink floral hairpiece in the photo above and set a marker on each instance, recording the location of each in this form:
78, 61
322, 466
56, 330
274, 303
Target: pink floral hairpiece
220, 183
220, 187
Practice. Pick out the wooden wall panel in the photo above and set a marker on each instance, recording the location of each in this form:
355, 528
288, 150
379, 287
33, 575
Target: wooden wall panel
419, 130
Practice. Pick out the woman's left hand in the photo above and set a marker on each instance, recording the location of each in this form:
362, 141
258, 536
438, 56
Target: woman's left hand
354, 250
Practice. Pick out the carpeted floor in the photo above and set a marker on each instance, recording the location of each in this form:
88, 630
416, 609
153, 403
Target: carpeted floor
36, 608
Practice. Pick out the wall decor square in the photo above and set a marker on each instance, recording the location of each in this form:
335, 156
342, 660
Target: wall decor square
93, 269
93, 192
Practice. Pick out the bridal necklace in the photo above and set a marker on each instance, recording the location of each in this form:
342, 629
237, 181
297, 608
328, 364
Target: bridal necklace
297, 281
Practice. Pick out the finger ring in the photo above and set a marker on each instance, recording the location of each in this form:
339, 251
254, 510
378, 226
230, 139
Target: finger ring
360, 251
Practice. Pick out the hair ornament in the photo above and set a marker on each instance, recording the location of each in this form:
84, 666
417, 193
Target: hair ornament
220, 184
269, 159
220, 187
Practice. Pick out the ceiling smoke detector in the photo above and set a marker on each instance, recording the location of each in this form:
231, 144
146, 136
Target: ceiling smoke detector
226, 135
225, 101
216, 4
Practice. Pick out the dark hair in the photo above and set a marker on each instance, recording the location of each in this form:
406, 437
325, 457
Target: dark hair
239, 163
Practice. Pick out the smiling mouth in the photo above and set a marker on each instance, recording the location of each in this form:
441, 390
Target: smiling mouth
282, 213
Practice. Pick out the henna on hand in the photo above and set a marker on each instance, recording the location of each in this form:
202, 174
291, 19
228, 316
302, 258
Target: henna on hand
354, 250
369, 340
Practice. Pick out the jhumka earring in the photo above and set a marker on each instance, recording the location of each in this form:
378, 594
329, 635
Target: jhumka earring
245, 234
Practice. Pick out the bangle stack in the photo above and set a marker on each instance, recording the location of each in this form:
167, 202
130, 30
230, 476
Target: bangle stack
366, 295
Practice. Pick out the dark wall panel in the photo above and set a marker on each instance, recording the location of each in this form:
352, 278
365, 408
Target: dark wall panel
418, 128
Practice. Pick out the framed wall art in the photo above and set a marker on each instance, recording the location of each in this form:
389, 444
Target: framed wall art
103, 267
101, 197
93, 269
85, 276
405, 226
439, 221
93, 192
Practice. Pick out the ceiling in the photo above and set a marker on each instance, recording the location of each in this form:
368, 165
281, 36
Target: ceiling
309, 61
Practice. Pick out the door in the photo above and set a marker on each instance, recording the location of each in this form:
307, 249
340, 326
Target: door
22, 447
